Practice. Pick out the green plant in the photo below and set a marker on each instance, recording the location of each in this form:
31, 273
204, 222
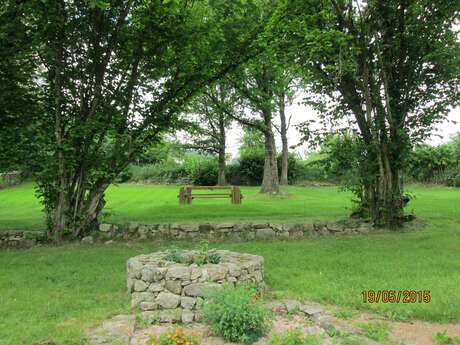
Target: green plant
143, 321
294, 337
203, 256
441, 338
175, 336
344, 314
175, 256
236, 314
376, 331
201, 169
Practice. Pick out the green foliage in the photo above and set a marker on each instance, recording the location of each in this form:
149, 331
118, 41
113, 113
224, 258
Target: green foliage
386, 69
376, 331
431, 164
248, 169
175, 336
175, 255
441, 338
100, 81
204, 255
168, 171
202, 170
252, 143
236, 314
160, 152
294, 337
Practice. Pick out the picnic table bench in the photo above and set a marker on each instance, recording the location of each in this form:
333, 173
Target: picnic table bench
188, 193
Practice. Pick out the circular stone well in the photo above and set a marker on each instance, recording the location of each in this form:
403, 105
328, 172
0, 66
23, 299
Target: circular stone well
173, 291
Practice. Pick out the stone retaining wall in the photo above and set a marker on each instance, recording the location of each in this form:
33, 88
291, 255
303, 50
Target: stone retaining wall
21, 239
175, 291
229, 231
212, 232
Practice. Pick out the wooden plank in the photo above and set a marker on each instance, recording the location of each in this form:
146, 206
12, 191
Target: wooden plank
210, 187
209, 197
227, 194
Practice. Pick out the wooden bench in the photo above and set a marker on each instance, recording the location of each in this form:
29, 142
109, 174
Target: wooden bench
187, 194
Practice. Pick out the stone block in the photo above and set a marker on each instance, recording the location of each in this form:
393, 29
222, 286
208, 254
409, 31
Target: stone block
168, 300
174, 286
265, 234
200, 289
178, 272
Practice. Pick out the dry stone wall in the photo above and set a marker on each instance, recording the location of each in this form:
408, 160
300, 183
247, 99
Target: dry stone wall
21, 239
173, 292
212, 232
230, 231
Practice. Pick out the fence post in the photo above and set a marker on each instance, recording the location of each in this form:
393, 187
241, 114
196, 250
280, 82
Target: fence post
236, 195
188, 195
182, 195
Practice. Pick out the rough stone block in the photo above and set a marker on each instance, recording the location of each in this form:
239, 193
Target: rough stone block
265, 234
167, 300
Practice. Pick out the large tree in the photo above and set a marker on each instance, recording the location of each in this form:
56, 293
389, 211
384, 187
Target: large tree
284, 95
259, 84
114, 74
208, 131
393, 66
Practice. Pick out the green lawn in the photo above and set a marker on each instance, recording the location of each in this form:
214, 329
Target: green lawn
53, 293
19, 209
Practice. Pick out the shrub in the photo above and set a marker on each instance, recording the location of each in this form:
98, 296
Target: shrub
175, 337
249, 169
294, 337
203, 256
165, 172
201, 169
236, 314
124, 176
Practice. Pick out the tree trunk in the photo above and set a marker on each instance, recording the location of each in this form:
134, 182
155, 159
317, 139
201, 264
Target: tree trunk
383, 195
284, 141
75, 216
270, 180
221, 181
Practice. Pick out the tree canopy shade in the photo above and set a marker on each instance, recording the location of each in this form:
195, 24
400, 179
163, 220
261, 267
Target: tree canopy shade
18, 98
113, 75
393, 65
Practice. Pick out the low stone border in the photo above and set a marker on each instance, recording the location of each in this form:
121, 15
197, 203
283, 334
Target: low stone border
175, 291
21, 239
231, 231
204, 231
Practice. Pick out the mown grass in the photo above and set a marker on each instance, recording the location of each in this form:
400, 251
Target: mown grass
54, 293
20, 209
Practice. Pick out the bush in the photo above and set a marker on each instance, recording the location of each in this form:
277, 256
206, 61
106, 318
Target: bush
202, 170
165, 172
236, 314
294, 337
124, 176
249, 169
